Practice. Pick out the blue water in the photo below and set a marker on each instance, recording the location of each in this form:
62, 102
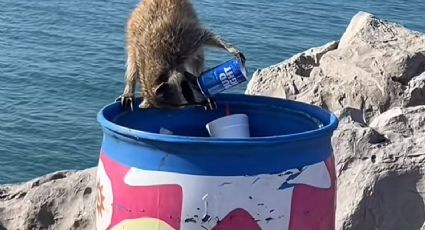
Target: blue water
61, 61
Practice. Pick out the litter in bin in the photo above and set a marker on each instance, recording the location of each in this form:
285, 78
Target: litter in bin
230, 126
165, 131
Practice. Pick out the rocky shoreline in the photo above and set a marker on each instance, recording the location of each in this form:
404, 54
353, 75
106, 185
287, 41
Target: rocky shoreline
373, 79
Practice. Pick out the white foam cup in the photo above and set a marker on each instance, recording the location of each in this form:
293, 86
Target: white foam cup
232, 126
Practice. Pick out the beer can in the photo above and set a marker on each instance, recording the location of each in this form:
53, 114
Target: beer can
222, 77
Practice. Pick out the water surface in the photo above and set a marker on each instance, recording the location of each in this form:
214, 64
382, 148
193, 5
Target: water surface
61, 61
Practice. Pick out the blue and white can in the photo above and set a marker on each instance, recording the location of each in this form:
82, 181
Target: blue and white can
222, 77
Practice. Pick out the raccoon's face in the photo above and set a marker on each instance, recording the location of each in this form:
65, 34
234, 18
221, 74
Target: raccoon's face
180, 90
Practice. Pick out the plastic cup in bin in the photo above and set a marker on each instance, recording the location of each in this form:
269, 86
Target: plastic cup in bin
231, 126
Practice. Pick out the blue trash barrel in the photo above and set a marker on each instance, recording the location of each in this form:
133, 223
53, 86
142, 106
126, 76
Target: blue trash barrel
283, 177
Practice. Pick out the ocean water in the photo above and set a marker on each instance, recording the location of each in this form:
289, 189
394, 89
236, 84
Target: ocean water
61, 61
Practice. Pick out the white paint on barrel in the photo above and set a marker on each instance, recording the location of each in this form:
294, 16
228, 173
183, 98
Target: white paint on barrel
104, 199
267, 197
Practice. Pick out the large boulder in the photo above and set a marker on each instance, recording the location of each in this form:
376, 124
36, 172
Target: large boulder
373, 80
370, 70
61, 200
380, 171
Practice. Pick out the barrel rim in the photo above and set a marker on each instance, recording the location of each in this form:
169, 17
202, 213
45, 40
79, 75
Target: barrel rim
328, 129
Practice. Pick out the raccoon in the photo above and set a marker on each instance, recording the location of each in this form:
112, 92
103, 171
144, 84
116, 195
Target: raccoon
165, 54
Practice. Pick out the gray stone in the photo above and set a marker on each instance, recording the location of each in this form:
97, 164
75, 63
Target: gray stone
61, 200
370, 70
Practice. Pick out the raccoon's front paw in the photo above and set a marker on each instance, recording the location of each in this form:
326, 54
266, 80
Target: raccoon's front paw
127, 101
210, 104
240, 55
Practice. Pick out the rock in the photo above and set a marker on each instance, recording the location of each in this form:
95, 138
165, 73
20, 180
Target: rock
61, 200
374, 81
289, 78
415, 92
370, 70
381, 171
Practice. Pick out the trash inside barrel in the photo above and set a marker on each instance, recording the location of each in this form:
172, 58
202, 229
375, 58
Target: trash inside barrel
164, 169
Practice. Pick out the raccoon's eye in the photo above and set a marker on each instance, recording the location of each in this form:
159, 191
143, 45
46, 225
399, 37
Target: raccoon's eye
190, 77
162, 90
187, 91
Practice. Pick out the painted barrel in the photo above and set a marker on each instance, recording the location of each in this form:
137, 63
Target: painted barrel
283, 177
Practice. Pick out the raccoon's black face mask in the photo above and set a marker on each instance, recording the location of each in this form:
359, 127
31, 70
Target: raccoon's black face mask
179, 91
